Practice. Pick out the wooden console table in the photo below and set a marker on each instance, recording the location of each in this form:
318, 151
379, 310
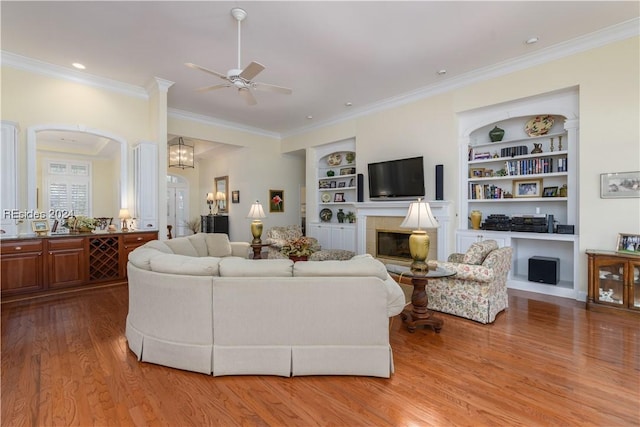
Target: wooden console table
42, 265
419, 314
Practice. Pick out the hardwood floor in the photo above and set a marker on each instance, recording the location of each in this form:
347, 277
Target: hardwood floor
546, 361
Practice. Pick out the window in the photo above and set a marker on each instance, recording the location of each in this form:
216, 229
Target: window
68, 187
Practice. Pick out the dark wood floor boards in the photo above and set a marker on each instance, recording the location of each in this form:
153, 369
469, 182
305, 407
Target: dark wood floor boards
545, 361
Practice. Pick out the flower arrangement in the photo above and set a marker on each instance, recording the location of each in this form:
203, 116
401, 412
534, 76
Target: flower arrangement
79, 223
297, 247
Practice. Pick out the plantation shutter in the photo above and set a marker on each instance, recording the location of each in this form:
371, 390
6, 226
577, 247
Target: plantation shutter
68, 188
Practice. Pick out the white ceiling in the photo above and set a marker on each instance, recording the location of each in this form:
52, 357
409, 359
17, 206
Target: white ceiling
329, 53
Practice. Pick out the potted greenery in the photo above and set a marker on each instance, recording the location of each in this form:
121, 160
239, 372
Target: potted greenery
351, 217
79, 224
297, 249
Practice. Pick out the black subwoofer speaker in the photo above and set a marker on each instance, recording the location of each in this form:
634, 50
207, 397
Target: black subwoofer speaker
439, 182
360, 189
544, 270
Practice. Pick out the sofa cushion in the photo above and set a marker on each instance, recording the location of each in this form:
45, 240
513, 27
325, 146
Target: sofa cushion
363, 265
141, 257
157, 244
241, 267
185, 265
199, 243
478, 251
218, 244
181, 246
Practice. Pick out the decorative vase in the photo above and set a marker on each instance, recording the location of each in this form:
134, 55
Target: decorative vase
496, 134
475, 218
340, 215
330, 173
537, 148
298, 258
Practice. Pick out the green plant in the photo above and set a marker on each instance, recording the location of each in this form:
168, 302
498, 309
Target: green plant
79, 222
297, 247
351, 216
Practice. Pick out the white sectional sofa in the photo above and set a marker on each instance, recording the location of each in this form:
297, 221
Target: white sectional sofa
197, 303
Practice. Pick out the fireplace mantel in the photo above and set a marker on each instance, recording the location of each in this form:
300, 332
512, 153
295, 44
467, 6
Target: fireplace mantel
440, 209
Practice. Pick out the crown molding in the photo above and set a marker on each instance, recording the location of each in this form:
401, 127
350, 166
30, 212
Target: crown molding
574, 46
40, 67
212, 121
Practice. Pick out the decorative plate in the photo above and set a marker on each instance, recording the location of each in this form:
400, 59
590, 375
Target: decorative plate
326, 214
334, 159
539, 125
326, 197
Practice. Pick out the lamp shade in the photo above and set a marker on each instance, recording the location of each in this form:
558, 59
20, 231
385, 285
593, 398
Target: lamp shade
180, 154
419, 217
220, 196
124, 214
210, 198
256, 211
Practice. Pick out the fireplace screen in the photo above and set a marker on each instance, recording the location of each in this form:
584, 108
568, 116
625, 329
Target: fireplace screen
392, 244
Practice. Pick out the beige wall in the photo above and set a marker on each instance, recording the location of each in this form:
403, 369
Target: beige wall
609, 88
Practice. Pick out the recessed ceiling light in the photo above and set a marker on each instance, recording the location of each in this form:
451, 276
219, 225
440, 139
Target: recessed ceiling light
532, 40
441, 72
348, 104
309, 117
79, 66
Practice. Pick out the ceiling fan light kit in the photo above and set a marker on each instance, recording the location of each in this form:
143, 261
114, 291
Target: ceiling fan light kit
241, 79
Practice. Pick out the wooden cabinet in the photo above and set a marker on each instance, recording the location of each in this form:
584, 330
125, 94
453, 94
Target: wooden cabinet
22, 266
42, 265
614, 281
334, 236
66, 262
214, 224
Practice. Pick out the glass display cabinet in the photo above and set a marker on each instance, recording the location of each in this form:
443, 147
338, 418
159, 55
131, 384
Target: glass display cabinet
614, 281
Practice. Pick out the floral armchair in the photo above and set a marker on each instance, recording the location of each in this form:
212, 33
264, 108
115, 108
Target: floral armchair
279, 236
478, 291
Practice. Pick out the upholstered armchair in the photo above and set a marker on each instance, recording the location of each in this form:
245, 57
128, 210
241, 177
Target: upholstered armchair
478, 291
278, 236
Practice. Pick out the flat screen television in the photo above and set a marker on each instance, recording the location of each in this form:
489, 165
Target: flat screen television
397, 179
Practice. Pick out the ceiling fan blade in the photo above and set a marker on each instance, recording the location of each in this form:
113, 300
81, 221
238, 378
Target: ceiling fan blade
206, 70
272, 88
214, 87
251, 70
248, 96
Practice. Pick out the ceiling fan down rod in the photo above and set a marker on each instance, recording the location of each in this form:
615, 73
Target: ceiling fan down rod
239, 14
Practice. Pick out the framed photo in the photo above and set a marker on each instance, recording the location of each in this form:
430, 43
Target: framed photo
628, 243
40, 226
235, 196
324, 183
619, 185
276, 201
338, 197
334, 184
527, 188
476, 172
550, 192
342, 184
347, 171
488, 173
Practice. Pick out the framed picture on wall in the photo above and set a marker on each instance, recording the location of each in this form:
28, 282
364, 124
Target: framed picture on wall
619, 185
235, 196
276, 201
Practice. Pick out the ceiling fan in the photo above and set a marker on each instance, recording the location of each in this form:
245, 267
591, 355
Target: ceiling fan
237, 77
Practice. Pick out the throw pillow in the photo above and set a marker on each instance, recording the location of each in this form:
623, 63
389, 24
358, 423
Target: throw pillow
185, 265
478, 251
181, 246
218, 244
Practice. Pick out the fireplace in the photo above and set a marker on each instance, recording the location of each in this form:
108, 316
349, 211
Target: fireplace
392, 244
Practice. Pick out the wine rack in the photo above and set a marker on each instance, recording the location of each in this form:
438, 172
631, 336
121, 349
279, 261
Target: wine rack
104, 257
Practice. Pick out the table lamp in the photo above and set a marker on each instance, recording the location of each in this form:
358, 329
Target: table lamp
124, 216
256, 213
210, 201
419, 217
